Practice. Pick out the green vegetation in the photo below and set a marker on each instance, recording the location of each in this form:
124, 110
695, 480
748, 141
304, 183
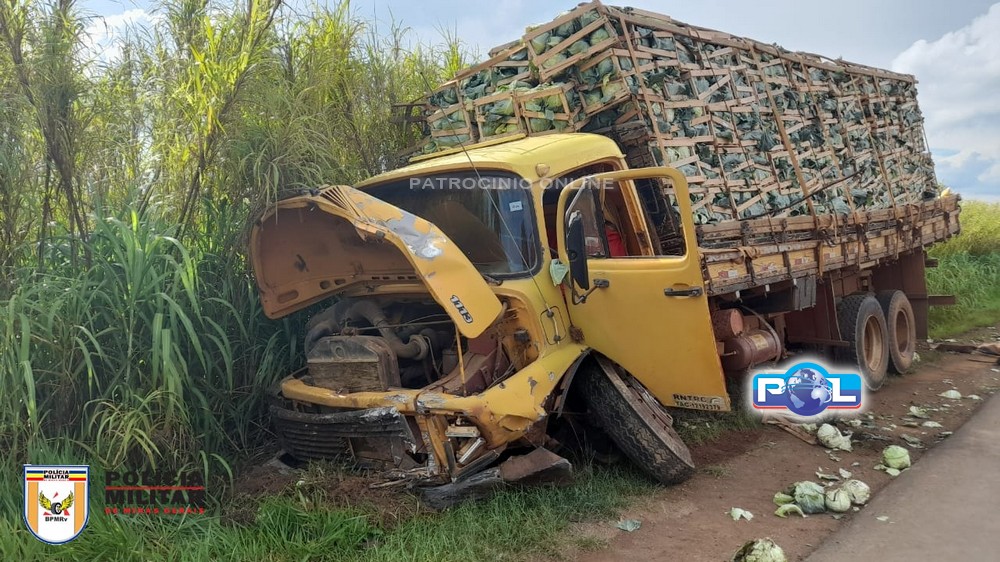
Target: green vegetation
293, 525
131, 332
968, 267
128, 177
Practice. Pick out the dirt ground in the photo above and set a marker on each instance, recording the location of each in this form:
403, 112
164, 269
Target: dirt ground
744, 469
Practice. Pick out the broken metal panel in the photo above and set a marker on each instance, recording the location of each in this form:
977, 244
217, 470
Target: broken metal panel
315, 246
309, 435
537, 467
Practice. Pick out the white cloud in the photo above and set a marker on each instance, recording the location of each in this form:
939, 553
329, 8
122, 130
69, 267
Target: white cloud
103, 35
959, 76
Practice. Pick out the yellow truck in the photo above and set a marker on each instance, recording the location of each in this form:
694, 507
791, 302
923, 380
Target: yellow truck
489, 294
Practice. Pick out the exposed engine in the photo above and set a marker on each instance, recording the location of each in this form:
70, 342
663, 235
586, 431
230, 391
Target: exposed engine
356, 346
361, 345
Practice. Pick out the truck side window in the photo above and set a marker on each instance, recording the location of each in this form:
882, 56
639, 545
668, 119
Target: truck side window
659, 204
594, 235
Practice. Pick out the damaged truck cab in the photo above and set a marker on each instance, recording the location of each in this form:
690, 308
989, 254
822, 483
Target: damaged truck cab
455, 330
480, 299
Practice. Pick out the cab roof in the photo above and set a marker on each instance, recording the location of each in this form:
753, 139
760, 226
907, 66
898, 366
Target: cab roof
560, 152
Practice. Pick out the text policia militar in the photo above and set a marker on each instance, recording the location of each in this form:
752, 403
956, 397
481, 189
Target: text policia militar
153, 492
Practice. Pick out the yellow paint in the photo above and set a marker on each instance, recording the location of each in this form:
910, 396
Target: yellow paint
342, 241
451, 279
667, 343
517, 402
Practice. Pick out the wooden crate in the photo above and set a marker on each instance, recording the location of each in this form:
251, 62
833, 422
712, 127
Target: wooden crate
545, 61
445, 95
617, 87
451, 121
564, 111
504, 67
750, 124
487, 122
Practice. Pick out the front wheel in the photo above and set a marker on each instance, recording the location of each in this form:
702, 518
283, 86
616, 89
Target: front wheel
636, 422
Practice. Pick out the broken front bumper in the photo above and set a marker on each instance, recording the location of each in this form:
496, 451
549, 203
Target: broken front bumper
446, 434
383, 432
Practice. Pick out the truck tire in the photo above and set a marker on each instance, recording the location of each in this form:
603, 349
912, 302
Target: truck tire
636, 422
862, 325
901, 327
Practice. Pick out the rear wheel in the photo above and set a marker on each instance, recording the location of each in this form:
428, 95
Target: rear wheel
636, 422
902, 329
862, 325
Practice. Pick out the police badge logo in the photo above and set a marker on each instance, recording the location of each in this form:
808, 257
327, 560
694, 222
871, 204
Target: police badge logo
56, 501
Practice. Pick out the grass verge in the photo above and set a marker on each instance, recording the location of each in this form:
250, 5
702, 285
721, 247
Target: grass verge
296, 527
969, 268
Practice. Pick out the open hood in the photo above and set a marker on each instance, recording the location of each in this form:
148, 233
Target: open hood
315, 246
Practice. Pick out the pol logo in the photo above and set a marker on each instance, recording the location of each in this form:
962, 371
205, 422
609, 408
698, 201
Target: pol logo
806, 390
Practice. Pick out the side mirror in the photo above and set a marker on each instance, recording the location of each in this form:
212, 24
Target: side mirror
576, 248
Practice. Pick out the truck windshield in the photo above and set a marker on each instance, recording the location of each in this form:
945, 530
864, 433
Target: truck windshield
488, 216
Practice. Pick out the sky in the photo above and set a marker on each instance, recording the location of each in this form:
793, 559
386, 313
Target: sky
953, 48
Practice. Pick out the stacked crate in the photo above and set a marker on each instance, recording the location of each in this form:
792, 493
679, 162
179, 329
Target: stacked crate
757, 130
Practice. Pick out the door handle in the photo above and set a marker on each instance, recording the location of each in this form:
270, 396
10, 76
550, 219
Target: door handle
692, 292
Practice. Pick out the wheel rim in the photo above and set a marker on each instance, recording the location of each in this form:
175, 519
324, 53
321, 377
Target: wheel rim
873, 338
902, 332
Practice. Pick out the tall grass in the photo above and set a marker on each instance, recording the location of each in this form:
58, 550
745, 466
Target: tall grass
969, 268
149, 161
136, 356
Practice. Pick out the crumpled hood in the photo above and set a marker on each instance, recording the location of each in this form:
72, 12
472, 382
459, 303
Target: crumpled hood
342, 240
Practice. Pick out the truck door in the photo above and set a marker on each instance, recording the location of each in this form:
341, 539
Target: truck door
647, 310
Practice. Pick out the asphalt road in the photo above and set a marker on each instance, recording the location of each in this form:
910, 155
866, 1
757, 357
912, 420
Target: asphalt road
947, 507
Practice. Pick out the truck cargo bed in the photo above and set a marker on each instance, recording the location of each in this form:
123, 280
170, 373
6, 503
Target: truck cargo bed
738, 255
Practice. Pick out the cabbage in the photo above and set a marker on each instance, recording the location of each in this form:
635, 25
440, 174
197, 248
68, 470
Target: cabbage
592, 97
537, 124
505, 128
502, 107
736, 513
858, 490
539, 42
589, 18
452, 140
552, 102
782, 498
830, 437
567, 29
611, 89
599, 34
534, 105
554, 61
838, 500
605, 68
578, 47
760, 550
896, 457
788, 509
809, 496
